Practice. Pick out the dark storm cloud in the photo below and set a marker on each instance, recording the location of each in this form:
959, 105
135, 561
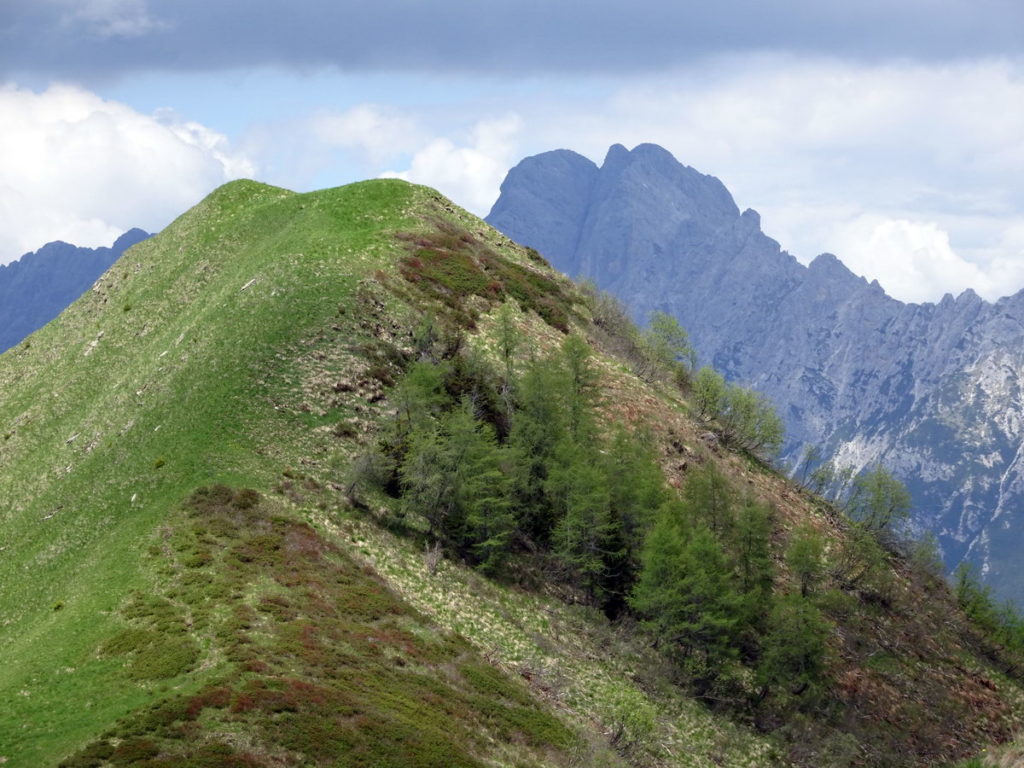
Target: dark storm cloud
86, 39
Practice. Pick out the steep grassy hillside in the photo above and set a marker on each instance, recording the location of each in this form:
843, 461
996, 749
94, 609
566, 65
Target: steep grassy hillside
154, 612
177, 370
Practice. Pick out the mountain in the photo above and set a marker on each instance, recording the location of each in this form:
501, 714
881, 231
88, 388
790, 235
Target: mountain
40, 285
231, 478
933, 391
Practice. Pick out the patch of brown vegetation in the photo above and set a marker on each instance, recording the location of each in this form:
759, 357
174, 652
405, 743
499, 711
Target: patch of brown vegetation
327, 669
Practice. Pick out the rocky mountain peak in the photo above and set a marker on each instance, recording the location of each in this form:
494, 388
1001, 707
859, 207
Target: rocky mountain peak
40, 285
128, 239
932, 390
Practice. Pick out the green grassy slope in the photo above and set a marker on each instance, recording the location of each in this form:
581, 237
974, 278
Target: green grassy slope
253, 344
170, 374
319, 662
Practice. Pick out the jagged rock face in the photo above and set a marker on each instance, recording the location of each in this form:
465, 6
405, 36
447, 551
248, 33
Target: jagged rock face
41, 285
933, 391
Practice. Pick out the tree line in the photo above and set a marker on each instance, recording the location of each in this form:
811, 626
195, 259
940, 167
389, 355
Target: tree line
503, 461
492, 461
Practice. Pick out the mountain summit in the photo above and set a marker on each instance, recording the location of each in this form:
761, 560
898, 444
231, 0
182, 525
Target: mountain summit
930, 390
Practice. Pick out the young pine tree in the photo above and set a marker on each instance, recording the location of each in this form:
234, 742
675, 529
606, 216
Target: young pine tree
539, 425
805, 558
419, 398
637, 488
587, 538
427, 479
793, 659
452, 476
579, 390
709, 497
509, 339
686, 595
481, 489
751, 549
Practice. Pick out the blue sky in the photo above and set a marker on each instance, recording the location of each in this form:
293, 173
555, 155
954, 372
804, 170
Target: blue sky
885, 132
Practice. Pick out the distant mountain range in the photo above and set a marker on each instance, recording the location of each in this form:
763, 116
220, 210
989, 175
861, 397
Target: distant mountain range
933, 391
40, 285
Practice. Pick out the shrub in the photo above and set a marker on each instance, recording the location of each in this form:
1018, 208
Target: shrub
632, 719
708, 393
749, 421
805, 558
879, 502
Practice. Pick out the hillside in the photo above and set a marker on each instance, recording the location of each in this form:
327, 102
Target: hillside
930, 390
40, 285
190, 577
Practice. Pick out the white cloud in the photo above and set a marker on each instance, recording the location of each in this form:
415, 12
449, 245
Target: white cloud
379, 132
214, 145
915, 256
920, 162
470, 174
82, 169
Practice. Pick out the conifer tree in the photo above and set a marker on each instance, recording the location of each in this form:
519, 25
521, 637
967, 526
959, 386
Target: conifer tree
580, 386
751, 545
587, 537
425, 336
793, 661
481, 489
427, 479
685, 594
637, 488
539, 425
709, 497
805, 559
509, 339
419, 396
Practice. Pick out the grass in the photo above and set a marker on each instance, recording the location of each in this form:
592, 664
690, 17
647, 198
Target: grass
223, 303
265, 329
569, 654
326, 666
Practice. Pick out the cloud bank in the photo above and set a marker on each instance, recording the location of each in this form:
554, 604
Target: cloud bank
100, 38
81, 169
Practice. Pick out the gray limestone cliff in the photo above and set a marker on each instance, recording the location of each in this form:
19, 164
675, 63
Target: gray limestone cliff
933, 391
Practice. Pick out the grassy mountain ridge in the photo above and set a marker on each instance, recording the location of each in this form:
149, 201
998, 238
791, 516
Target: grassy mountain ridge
255, 343
141, 392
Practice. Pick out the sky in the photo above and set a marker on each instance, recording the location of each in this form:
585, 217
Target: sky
889, 133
